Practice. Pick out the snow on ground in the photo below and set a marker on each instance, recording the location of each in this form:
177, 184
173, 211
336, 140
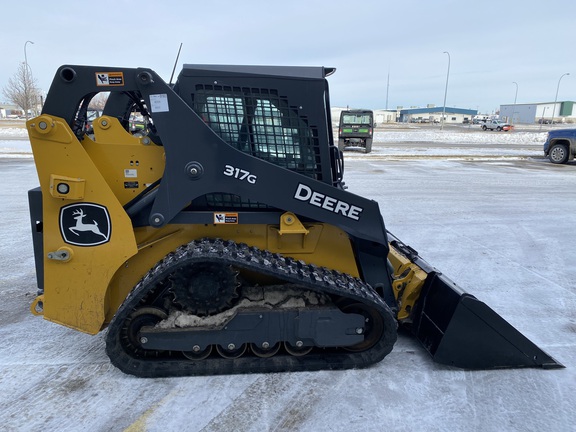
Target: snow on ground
14, 148
463, 136
15, 132
501, 227
457, 143
14, 142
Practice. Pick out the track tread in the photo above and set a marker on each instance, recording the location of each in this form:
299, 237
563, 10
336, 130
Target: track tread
309, 276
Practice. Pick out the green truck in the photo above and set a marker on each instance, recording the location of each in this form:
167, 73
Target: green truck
356, 129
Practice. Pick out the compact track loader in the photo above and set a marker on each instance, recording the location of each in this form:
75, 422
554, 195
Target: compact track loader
218, 238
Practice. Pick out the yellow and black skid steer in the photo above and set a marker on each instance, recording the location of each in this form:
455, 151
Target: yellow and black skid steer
217, 236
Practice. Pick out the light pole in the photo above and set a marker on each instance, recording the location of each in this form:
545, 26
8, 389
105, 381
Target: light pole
542, 118
556, 98
445, 92
25, 57
514, 106
26, 80
387, 87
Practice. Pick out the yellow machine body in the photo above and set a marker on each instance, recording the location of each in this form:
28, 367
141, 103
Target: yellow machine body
84, 290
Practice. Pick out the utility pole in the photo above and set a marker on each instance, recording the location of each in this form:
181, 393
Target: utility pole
26, 81
445, 92
387, 87
556, 98
514, 106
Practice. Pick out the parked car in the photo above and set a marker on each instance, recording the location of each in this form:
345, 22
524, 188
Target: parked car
497, 125
560, 145
548, 121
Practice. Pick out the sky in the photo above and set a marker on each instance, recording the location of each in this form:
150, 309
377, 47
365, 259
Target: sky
387, 54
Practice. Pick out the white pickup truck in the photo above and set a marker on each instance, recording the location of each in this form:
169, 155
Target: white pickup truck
496, 125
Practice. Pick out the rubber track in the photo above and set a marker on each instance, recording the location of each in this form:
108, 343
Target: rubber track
311, 277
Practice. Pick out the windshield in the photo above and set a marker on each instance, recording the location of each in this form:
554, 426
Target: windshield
357, 118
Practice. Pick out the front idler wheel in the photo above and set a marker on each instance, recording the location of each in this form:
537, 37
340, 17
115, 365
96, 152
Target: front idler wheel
373, 326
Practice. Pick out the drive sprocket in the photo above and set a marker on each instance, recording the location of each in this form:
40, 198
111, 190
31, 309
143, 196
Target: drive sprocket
204, 288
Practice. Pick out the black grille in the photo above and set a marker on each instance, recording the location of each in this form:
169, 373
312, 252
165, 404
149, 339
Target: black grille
230, 201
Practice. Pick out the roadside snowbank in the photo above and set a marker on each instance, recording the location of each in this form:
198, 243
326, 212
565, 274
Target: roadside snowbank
14, 143
15, 148
463, 137
10, 132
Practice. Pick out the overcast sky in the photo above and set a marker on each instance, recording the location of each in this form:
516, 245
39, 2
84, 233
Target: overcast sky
491, 44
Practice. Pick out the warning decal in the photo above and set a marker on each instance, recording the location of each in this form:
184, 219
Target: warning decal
225, 218
109, 78
159, 103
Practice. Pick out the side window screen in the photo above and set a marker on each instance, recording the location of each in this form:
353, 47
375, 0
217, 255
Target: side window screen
225, 115
286, 142
261, 123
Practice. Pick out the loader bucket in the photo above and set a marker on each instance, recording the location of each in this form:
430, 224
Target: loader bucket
459, 330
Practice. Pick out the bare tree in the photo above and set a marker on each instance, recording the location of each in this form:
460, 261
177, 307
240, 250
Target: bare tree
22, 90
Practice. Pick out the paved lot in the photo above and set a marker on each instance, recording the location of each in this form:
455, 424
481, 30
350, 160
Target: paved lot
503, 229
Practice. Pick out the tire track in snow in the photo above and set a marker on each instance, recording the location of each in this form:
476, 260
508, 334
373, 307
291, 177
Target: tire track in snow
275, 402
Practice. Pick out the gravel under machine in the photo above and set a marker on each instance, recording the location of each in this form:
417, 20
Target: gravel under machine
218, 238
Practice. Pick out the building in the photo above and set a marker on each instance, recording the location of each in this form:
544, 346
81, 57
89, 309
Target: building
430, 114
433, 114
382, 116
563, 112
10, 111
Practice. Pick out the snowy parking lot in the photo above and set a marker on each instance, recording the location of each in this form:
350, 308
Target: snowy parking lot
484, 208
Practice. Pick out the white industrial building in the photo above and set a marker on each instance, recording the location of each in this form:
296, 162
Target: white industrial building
430, 114
382, 116
530, 113
9, 110
544, 112
434, 114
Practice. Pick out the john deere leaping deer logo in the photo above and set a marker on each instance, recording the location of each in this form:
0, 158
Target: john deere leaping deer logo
81, 226
85, 224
